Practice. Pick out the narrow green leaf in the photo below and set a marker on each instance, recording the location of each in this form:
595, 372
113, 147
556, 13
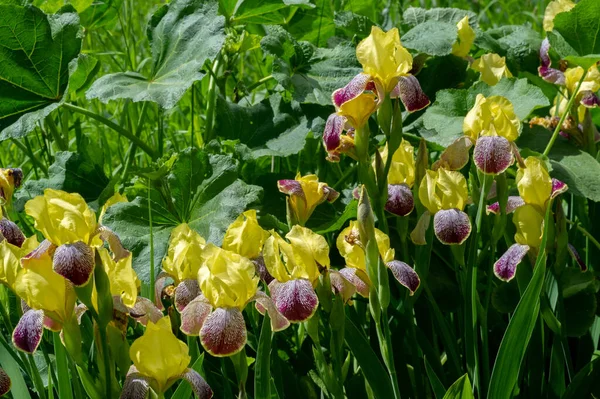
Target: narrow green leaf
461, 389
19, 387
62, 369
436, 385
581, 385
262, 369
372, 368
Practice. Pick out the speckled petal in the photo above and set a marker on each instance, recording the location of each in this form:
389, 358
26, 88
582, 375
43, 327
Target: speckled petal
405, 275
332, 135
400, 200
144, 310
590, 99
224, 332
198, 384
512, 203
28, 332
136, 386
290, 187
295, 299
261, 270
11, 232
558, 187
358, 278
506, 267
573, 252
159, 286
194, 315
353, 89
341, 285
4, 382
493, 155
410, 93
331, 194
75, 262
451, 226
551, 75
185, 292
265, 304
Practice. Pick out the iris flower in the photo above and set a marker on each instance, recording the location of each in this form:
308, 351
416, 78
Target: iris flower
387, 67
492, 68
10, 179
159, 360
71, 232
228, 282
444, 193
305, 193
352, 250
296, 264
401, 178
466, 37
536, 188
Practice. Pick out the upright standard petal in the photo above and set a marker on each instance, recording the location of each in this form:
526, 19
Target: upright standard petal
311, 252
245, 236
506, 267
408, 89
10, 178
28, 332
124, 282
465, 39
402, 168
405, 275
493, 154
185, 250
492, 68
295, 299
224, 332
158, 354
534, 182
451, 226
529, 221
553, 9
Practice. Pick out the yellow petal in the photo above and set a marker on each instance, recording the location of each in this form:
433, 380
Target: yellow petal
591, 82
359, 109
466, 37
10, 263
123, 279
478, 119
492, 116
353, 254
492, 68
534, 182
185, 250
245, 236
529, 223
158, 353
554, 8
383, 57
279, 257
313, 193
61, 217
402, 169
115, 199
7, 184
311, 251
443, 189
227, 279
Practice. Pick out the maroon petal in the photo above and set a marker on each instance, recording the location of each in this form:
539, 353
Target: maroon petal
261, 270
506, 267
266, 304
405, 275
558, 187
159, 286
144, 310
353, 89
590, 99
224, 332
577, 258
332, 135
136, 386
341, 285
198, 384
410, 93
493, 155
185, 292
512, 203
75, 262
358, 278
28, 332
4, 382
400, 200
331, 194
194, 315
551, 75
290, 187
11, 232
451, 226
114, 243
295, 299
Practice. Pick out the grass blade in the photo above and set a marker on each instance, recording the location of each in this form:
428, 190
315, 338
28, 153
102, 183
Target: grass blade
62, 369
262, 368
461, 389
436, 385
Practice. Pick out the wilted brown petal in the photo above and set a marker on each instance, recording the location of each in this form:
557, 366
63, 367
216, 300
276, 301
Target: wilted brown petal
456, 156
114, 242
144, 310
417, 236
341, 285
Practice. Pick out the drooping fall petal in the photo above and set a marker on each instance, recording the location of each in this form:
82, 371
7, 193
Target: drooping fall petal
11, 232
75, 262
558, 187
266, 304
405, 275
358, 278
451, 226
547, 73
512, 203
332, 135
295, 299
198, 384
136, 386
194, 315
506, 267
28, 332
400, 200
185, 292
410, 93
224, 332
353, 89
493, 154
575, 255
342, 286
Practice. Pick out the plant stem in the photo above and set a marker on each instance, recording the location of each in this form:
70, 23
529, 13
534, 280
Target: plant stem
564, 116
211, 101
106, 358
585, 233
123, 132
152, 275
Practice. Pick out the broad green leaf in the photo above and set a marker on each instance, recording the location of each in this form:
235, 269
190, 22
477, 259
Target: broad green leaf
586, 61
183, 35
100, 13
200, 189
338, 222
520, 328
374, 372
431, 37
505, 297
314, 25
520, 45
461, 389
353, 24
414, 16
573, 281
446, 115
580, 27
28, 92
264, 11
84, 73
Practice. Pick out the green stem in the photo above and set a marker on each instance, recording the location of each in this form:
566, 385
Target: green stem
152, 275
55, 133
34, 160
123, 132
211, 101
585, 233
258, 83
106, 358
564, 115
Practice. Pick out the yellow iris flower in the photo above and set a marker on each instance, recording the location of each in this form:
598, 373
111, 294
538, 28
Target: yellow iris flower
305, 194
300, 258
10, 260
402, 169
466, 37
492, 116
359, 109
184, 253
529, 221
554, 8
534, 183
245, 236
159, 355
443, 189
354, 254
227, 279
124, 281
492, 68
383, 57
